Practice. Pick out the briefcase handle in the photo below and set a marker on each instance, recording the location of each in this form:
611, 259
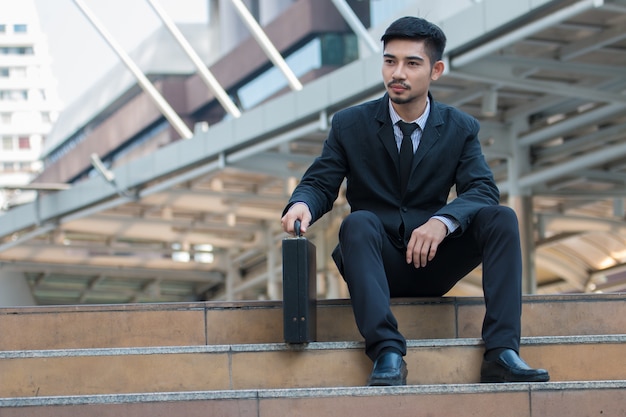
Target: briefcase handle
296, 228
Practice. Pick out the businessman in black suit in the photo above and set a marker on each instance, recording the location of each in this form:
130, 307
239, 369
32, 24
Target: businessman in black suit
401, 156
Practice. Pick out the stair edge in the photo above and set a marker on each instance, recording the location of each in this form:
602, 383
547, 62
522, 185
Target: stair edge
313, 346
309, 393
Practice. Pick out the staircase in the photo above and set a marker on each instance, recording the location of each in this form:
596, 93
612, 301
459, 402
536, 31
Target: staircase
228, 359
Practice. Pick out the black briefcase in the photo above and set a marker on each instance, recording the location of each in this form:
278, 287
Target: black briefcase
299, 289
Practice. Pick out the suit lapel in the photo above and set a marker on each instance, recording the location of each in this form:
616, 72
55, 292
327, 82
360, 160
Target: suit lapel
430, 135
385, 132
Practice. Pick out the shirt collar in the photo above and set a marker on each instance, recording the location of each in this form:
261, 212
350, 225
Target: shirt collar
421, 121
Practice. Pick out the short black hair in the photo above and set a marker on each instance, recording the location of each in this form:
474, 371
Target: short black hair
418, 29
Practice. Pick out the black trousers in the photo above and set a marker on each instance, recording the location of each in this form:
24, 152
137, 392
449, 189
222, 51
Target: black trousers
375, 270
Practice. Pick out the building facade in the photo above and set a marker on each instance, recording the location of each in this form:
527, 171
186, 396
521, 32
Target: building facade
28, 101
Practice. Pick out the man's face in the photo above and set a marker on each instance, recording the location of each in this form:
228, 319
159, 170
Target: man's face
407, 71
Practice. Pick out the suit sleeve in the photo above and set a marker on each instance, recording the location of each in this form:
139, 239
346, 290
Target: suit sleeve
475, 185
320, 183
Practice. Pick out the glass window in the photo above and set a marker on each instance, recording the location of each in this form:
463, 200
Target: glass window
17, 50
327, 50
5, 118
19, 95
3, 28
18, 72
339, 49
4, 72
26, 167
262, 87
13, 95
23, 142
19, 28
7, 143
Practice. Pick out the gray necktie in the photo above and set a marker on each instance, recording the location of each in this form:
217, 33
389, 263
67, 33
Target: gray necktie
406, 152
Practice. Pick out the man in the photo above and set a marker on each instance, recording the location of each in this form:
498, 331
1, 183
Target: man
403, 238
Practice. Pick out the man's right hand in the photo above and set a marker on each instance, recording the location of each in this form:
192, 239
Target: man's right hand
299, 211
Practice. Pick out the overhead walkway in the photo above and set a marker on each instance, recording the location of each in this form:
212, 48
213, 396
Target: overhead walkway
545, 78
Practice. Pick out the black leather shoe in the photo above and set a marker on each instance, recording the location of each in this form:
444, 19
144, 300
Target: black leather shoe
509, 367
389, 369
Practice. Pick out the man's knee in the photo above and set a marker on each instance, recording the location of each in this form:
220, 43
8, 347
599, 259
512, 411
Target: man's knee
359, 231
501, 220
360, 225
497, 214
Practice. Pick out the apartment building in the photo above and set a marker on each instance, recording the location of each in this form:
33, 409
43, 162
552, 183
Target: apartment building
28, 100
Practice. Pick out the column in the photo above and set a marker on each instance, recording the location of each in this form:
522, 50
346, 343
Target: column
14, 290
522, 202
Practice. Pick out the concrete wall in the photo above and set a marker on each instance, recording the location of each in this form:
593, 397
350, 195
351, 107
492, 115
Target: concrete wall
14, 290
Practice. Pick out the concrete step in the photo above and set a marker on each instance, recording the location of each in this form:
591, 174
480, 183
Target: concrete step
276, 366
571, 399
218, 323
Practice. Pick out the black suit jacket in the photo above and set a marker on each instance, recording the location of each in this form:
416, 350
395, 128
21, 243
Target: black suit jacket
361, 148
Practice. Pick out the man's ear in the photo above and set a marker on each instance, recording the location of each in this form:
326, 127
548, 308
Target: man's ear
437, 70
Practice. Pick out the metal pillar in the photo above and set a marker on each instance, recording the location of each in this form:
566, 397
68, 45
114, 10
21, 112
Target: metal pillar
273, 289
232, 276
524, 208
265, 44
203, 71
518, 163
167, 111
14, 290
